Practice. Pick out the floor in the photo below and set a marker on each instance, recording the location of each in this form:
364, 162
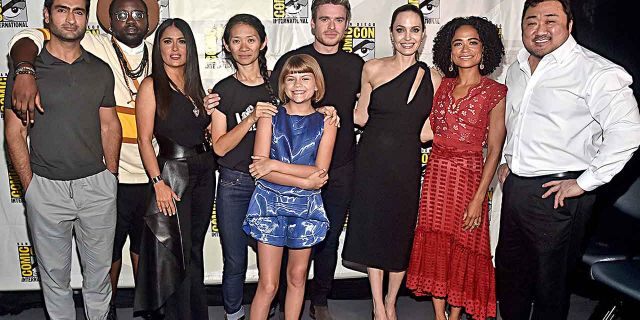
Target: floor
351, 309
408, 308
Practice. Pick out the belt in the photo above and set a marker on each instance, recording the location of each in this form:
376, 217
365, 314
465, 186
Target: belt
170, 149
559, 175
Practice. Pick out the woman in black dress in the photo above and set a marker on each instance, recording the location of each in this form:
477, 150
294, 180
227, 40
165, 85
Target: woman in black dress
394, 104
170, 107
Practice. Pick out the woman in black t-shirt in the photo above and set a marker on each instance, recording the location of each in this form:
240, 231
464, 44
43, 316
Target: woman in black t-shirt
243, 102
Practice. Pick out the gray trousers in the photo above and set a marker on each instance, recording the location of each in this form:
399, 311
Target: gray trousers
57, 210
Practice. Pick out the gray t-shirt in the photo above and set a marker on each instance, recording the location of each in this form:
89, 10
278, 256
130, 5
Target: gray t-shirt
66, 140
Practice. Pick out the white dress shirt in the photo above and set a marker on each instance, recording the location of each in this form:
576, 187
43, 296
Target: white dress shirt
575, 112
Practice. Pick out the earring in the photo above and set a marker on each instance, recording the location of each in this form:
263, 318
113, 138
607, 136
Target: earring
451, 67
482, 64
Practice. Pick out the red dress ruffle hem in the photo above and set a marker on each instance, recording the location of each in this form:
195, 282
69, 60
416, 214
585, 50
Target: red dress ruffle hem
446, 261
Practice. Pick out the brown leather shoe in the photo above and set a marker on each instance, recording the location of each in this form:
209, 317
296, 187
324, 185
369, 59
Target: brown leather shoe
320, 313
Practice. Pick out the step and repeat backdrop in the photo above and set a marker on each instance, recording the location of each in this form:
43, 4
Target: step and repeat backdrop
287, 23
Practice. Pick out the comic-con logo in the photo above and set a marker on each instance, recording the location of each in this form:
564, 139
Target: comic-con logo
215, 232
3, 92
424, 158
361, 40
290, 11
27, 262
430, 9
15, 186
164, 10
13, 13
213, 52
93, 29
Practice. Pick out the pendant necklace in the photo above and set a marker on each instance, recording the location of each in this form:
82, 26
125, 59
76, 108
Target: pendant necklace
196, 110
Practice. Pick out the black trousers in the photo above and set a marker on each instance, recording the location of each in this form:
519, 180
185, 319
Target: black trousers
336, 197
538, 248
195, 209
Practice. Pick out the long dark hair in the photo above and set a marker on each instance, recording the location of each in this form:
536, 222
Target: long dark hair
257, 25
161, 82
406, 8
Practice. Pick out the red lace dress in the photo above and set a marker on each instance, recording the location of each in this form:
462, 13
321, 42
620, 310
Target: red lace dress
446, 261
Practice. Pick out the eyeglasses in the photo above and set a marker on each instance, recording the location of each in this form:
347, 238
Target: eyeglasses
124, 15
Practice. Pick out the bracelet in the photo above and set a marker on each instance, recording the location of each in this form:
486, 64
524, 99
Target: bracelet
17, 65
25, 70
156, 179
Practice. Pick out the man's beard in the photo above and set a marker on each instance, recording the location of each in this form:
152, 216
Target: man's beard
67, 36
131, 41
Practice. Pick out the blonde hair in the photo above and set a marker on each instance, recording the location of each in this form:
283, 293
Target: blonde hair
301, 63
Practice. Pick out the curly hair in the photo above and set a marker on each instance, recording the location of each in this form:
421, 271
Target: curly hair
492, 47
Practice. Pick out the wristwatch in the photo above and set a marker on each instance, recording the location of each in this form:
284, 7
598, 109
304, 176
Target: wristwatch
156, 179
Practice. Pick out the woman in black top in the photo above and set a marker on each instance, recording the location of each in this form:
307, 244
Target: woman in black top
169, 106
244, 97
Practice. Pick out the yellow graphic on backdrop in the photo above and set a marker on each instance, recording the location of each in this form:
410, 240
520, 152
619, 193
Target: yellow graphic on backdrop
27, 259
15, 186
361, 40
3, 90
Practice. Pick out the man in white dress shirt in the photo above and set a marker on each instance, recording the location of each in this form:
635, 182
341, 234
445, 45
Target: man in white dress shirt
572, 124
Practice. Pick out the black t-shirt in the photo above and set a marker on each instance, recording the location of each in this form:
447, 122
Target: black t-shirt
341, 72
237, 102
66, 141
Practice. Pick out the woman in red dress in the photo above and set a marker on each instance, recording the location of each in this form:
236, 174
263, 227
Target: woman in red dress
451, 258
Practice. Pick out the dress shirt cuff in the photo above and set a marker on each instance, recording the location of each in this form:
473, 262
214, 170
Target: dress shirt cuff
503, 160
587, 181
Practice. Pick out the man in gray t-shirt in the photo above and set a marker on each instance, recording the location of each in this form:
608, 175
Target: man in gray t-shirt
69, 171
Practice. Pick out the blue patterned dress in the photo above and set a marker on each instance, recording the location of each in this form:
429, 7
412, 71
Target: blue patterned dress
287, 216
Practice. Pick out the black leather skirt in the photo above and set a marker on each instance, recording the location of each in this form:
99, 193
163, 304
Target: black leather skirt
162, 266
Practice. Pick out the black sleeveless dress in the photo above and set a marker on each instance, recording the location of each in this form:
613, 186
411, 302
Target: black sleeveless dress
384, 208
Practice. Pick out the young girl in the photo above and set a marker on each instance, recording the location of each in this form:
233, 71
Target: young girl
240, 100
292, 153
